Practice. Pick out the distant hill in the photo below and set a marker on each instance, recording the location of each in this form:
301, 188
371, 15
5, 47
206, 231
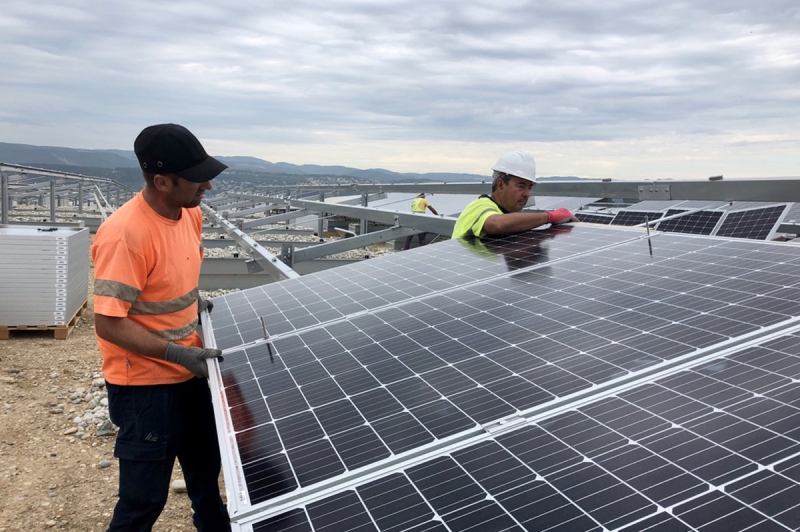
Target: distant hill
28, 155
101, 162
122, 166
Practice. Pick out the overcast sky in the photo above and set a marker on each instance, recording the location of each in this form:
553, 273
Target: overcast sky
641, 89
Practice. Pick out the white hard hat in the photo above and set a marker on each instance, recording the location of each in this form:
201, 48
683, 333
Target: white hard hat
517, 163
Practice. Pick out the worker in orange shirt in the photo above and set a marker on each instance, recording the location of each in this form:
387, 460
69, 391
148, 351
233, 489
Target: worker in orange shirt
418, 206
147, 258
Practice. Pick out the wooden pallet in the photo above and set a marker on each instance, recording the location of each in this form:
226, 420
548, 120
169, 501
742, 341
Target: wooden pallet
60, 332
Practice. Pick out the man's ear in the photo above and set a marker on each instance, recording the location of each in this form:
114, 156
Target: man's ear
162, 183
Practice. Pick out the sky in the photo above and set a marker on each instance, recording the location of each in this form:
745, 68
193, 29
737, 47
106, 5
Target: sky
621, 89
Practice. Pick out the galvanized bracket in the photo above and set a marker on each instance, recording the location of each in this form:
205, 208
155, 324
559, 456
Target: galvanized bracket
654, 192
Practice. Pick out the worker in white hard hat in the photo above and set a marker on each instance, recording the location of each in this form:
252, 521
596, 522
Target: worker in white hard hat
497, 214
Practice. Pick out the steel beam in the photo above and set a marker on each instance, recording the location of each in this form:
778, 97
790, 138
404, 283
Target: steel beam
5, 199
235, 204
52, 200
751, 189
275, 218
254, 210
442, 225
346, 244
266, 260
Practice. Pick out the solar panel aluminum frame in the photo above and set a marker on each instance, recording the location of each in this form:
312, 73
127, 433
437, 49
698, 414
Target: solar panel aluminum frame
777, 331
769, 236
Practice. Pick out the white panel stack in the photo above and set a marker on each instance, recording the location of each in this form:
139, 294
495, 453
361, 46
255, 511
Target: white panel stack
44, 274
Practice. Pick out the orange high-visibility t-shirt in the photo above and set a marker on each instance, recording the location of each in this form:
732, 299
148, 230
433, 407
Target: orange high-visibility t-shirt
147, 268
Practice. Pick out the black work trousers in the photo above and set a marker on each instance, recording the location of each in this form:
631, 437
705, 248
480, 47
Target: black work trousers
158, 424
409, 238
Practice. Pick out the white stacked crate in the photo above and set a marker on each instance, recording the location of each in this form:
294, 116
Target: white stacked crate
44, 275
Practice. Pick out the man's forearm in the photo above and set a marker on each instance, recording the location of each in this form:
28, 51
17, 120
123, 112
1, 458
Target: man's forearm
130, 336
515, 222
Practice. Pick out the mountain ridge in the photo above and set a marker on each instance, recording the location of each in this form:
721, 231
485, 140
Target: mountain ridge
122, 165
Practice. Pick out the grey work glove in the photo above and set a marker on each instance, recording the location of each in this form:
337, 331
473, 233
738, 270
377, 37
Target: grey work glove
204, 304
191, 358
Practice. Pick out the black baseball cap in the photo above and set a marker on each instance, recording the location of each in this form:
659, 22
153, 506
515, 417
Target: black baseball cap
172, 149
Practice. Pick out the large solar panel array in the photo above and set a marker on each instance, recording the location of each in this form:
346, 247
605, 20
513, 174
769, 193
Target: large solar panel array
713, 447
538, 322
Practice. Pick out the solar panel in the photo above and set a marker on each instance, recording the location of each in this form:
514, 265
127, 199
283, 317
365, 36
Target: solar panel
715, 446
757, 224
333, 294
593, 218
318, 405
629, 217
696, 223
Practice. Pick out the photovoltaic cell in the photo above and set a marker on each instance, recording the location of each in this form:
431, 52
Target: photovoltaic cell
716, 444
754, 223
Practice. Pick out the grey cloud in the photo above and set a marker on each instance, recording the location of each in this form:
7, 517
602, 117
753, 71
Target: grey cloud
447, 70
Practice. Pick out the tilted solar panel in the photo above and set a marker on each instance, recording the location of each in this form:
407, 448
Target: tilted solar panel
628, 217
715, 446
696, 223
593, 218
319, 405
757, 224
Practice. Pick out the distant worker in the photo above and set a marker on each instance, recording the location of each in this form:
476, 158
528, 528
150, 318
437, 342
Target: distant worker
147, 258
418, 206
512, 180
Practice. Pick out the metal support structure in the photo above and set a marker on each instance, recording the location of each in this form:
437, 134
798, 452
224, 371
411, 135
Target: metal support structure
346, 244
254, 210
5, 199
321, 218
80, 197
267, 220
778, 190
266, 260
442, 225
364, 203
52, 200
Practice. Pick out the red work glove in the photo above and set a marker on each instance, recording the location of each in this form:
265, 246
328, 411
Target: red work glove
560, 216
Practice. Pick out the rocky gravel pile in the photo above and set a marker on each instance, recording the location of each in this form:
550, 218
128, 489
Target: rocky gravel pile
35, 213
